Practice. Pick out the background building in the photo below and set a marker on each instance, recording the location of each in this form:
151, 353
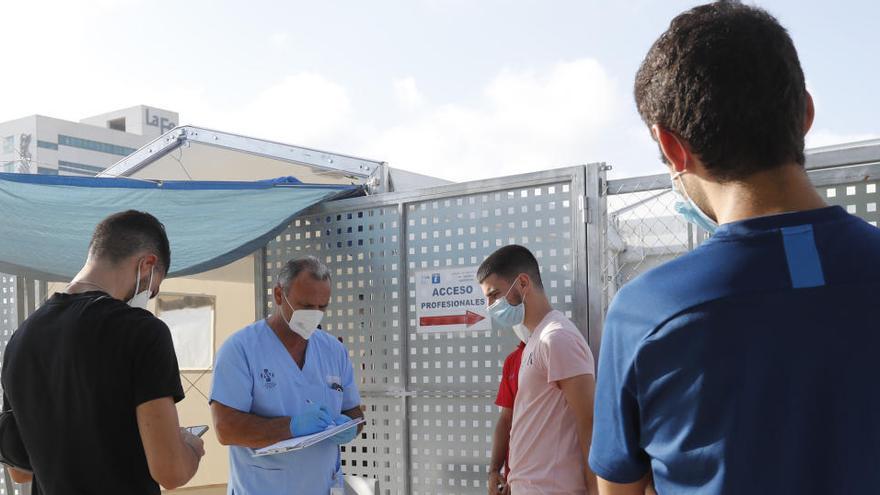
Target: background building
46, 145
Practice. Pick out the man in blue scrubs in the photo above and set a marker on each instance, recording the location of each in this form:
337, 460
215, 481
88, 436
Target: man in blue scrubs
282, 377
748, 366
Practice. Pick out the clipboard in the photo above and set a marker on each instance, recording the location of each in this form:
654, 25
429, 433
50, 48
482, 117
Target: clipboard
306, 441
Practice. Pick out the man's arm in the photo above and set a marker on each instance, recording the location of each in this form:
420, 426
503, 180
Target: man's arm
500, 445
578, 392
173, 454
641, 487
234, 427
20, 476
355, 413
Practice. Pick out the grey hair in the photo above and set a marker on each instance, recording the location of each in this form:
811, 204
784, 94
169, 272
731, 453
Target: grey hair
293, 268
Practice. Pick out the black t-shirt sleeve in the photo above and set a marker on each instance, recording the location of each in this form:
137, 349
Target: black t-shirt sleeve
155, 373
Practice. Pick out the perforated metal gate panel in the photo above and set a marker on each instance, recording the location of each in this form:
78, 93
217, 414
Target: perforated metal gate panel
361, 247
451, 444
859, 198
430, 397
8, 312
379, 451
451, 435
462, 232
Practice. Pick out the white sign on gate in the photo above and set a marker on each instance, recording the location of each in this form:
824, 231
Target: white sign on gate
450, 300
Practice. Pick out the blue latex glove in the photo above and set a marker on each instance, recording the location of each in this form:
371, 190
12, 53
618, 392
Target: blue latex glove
313, 419
346, 436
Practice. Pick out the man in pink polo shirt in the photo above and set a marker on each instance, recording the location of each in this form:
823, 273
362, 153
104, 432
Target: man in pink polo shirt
553, 412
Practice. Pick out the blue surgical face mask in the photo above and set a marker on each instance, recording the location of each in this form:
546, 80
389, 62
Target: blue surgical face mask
508, 315
689, 210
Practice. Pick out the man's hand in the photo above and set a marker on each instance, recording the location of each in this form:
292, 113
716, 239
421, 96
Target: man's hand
495, 480
19, 475
346, 436
313, 420
500, 444
171, 459
194, 442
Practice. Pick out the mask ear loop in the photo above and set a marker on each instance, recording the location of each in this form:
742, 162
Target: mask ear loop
522, 294
150, 283
284, 296
499, 299
137, 281
508, 291
677, 176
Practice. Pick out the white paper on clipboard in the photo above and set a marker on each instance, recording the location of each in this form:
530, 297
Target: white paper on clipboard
306, 441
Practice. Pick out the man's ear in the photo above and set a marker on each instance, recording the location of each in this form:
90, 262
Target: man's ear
673, 148
810, 114
150, 262
277, 294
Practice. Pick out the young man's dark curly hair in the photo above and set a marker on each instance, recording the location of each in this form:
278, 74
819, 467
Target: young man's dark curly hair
726, 78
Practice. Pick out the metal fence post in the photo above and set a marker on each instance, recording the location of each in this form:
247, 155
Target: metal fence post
260, 274
22, 302
405, 346
595, 217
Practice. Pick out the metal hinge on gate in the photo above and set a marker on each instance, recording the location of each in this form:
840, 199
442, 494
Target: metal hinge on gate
584, 208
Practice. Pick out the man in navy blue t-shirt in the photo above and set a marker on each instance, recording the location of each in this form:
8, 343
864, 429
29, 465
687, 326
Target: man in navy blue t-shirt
750, 365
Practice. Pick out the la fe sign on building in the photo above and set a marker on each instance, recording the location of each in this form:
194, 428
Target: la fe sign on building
450, 300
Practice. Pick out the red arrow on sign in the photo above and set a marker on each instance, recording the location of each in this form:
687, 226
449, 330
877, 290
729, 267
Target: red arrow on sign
469, 318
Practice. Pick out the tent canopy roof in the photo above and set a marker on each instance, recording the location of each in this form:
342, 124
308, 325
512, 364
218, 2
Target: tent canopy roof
47, 221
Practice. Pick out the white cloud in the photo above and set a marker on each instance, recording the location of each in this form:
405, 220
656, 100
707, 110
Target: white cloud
280, 39
408, 95
526, 121
305, 108
58, 72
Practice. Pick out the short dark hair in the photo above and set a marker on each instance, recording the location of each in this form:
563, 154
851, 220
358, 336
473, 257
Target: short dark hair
508, 262
126, 233
726, 78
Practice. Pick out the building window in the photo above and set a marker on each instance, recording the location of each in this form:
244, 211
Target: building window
117, 124
47, 171
78, 168
88, 144
8, 144
47, 145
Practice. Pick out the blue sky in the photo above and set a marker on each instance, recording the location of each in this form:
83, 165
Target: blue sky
454, 88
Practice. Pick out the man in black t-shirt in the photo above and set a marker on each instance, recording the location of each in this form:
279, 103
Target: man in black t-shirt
92, 378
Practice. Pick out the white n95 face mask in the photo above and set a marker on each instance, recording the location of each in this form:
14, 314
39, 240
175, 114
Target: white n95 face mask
140, 299
304, 322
